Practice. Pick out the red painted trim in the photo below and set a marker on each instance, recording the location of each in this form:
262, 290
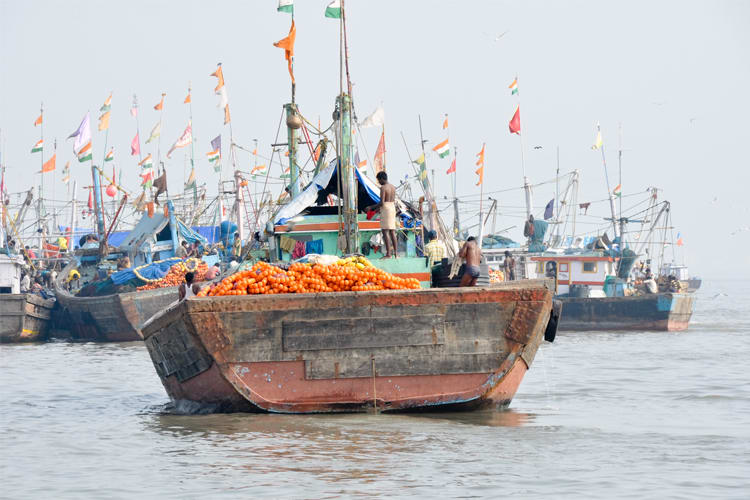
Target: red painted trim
587, 283
566, 258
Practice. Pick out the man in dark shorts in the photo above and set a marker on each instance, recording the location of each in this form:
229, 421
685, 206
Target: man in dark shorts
472, 255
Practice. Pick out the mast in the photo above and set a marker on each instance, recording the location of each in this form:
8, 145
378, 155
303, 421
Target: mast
73, 217
526, 186
456, 217
481, 200
41, 183
609, 192
619, 168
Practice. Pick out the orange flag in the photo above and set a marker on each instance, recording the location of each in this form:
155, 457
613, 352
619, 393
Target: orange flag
445, 122
220, 75
38, 121
160, 106
480, 164
49, 165
187, 99
288, 45
227, 118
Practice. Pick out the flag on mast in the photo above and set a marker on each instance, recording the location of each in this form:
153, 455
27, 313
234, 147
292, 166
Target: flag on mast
333, 10
256, 168
617, 191
286, 6
38, 121
480, 164
82, 135
453, 166
598, 141
85, 153
107, 104
104, 121
66, 172
135, 146
445, 122
49, 165
147, 162
38, 146
160, 106
514, 86
185, 139
155, 132
214, 155
515, 123
443, 149
288, 45
379, 160
111, 155
188, 99
376, 119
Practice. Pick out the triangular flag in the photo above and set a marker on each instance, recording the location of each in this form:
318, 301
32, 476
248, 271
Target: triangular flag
515, 123
38, 147
111, 155
598, 141
187, 99
617, 191
514, 86
155, 132
191, 180
288, 45
82, 134
379, 160
135, 146
185, 139
453, 167
49, 165
38, 121
160, 106
227, 118
445, 122
107, 104
376, 119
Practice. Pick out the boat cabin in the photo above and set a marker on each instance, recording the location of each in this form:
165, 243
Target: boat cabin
576, 275
10, 272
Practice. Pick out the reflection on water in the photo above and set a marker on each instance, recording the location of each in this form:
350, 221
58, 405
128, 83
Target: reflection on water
623, 414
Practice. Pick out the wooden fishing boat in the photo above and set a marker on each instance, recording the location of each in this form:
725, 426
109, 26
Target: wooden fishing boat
457, 348
111, 318
24, 317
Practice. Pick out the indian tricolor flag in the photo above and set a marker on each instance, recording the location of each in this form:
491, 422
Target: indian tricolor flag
443, 149
617, 191
213, 155
333, 10
514, 86
147, 162
286, 6
85, 153
110, 156
38, 146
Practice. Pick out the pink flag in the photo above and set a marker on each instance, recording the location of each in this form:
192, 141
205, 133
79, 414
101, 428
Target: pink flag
135, 146
134, 111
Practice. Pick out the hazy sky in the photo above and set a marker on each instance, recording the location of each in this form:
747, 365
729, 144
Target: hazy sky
675, 74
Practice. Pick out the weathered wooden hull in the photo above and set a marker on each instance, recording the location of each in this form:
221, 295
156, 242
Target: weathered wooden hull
657, 312
350, 352
111, 318
24, 317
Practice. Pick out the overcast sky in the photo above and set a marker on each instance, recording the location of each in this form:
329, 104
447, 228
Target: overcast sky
675, 74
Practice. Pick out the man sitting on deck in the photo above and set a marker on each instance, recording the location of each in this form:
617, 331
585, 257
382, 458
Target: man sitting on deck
472, 254
387, 208
188, 289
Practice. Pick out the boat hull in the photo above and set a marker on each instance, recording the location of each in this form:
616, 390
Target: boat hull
350, 352
657, 312
111, 318
24, 317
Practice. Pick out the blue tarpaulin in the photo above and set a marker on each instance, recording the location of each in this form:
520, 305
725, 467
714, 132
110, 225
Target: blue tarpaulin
153, 271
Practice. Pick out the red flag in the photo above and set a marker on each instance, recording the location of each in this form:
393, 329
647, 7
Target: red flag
515, 122
379, 160
453, 167
135, 146
91, 199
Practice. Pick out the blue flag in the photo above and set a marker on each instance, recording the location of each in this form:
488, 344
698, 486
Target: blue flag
548, 209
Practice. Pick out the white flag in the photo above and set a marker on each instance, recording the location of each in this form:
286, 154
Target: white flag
185, 139
82, 134
376, 119
155, 132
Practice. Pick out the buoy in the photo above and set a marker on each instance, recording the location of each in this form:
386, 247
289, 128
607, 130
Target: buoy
111, 191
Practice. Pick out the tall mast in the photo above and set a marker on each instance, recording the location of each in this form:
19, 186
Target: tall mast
609, 191
456, 216
619, 168
41, 182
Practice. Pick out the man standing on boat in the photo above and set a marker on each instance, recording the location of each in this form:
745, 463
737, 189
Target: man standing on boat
387, 208
472, 254
188, 289
509, 266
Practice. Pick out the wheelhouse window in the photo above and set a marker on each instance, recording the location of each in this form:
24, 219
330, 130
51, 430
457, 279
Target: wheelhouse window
563, 267
589, 267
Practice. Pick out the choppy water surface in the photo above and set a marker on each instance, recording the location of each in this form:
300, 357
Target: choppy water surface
599, 415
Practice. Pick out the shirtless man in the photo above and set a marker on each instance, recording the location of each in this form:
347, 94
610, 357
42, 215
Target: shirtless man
472, 254
387, 208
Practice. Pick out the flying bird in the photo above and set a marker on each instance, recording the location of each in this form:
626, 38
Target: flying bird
537, 147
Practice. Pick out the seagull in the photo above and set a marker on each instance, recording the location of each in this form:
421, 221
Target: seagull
498, 37
537, 147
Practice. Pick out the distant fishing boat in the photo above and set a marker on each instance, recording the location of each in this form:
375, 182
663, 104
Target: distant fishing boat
24, 317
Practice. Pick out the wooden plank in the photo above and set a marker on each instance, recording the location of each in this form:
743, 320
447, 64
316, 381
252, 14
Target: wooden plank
363, 332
